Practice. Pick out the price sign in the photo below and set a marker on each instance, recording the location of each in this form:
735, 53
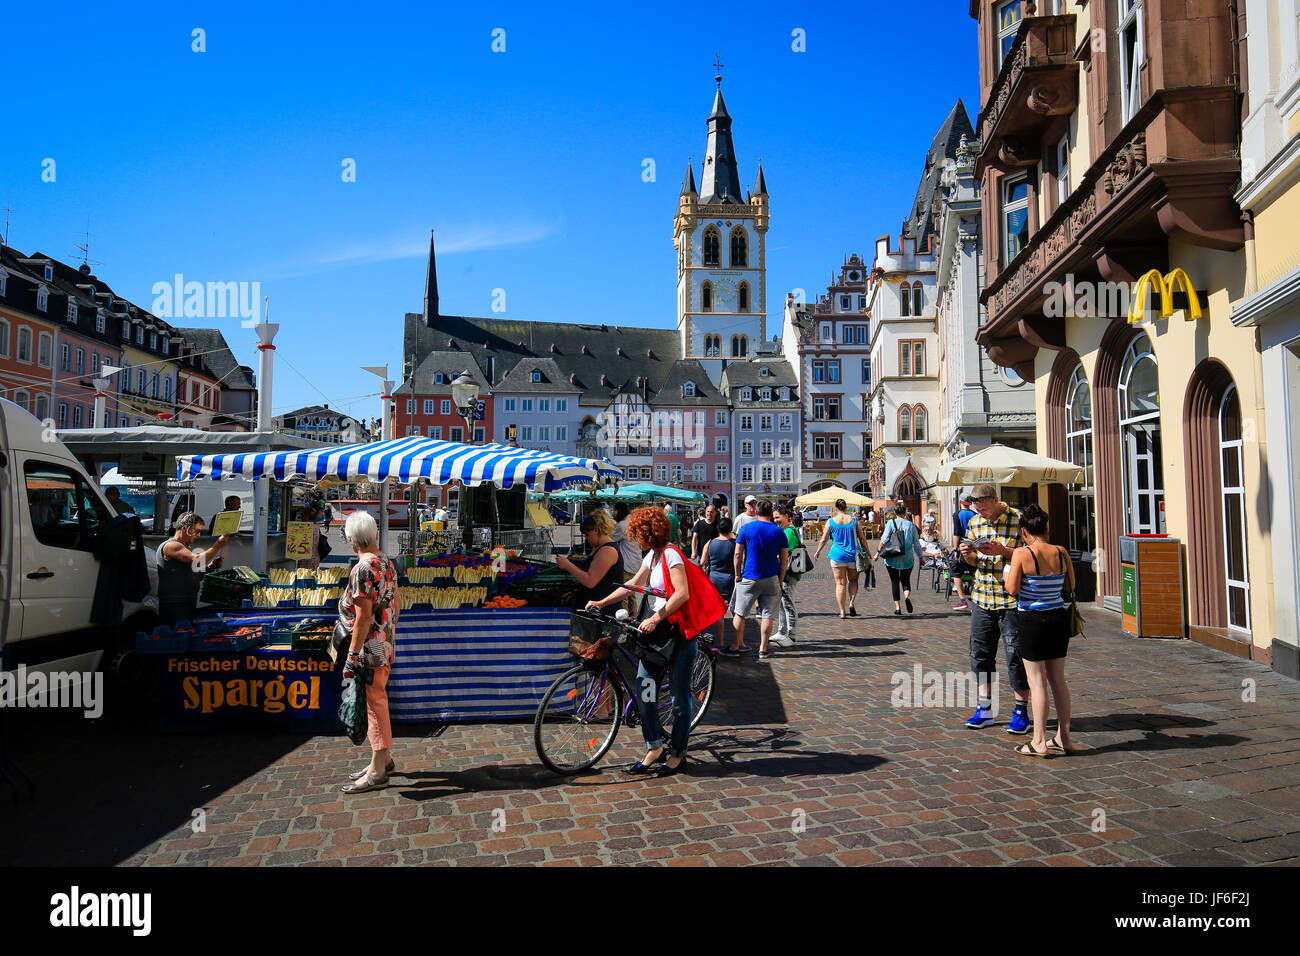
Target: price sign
297, 543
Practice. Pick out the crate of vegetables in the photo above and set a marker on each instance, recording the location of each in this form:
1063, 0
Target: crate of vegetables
504, 601
233, 639
163, 640
312, 635
229, 589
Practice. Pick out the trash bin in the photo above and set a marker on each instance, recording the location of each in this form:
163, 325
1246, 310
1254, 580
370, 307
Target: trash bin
1085, 576
1152, 597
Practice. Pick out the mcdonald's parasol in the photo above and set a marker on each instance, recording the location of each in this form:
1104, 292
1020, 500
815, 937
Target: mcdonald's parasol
1003, 465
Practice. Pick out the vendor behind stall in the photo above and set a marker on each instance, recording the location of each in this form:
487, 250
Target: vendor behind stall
601, 573
178, 584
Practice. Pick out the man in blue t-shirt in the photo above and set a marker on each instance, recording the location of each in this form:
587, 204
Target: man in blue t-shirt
762, 555
958, 533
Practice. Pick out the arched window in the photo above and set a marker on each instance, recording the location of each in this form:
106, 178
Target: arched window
688, 390
1078, 444
905, 299
739, 248
712, 242
1139, 429
743, 297
739, 346
904, 423
918, 423
537, 375
916, 298
706, 297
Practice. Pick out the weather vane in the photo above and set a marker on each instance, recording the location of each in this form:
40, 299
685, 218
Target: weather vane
717, 65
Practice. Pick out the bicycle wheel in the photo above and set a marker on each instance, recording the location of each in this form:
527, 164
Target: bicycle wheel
578, 719
702, 674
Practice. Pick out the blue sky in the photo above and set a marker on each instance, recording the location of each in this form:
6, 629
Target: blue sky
226, 165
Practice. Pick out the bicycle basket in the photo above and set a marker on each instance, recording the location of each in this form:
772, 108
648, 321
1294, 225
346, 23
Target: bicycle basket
593, 636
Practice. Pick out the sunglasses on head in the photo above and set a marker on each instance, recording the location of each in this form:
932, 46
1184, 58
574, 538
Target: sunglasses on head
976, 501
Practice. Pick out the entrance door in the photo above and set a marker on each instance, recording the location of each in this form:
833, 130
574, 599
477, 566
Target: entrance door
1139, 428
1234, 511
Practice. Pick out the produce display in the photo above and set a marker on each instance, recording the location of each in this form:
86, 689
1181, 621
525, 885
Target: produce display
318, 597
505, 601
282, 577
443, 598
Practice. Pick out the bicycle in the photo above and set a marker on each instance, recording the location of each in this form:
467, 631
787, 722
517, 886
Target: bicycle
582, 711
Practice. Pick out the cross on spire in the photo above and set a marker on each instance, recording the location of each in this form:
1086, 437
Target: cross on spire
717, 66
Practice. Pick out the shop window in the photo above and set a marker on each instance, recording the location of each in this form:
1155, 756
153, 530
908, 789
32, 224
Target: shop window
1234, 510
1078, 443
1139, 427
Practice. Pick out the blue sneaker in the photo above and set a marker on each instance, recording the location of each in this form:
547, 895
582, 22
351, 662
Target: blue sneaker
1019, 720
980, 719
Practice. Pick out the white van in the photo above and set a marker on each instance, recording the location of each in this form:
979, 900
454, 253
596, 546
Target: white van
50, 510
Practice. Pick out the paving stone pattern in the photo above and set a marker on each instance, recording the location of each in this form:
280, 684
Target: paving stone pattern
801, 760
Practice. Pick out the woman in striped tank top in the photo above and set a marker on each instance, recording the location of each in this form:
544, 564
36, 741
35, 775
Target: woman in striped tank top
1039, 575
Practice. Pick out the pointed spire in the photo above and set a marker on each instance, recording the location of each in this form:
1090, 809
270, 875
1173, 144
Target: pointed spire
760, 184
431, 288
721, 180
688, 183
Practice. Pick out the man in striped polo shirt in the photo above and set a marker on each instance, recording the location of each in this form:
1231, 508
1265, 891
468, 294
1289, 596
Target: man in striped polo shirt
991, 537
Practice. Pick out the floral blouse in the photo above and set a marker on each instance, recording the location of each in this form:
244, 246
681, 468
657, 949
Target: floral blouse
376, 578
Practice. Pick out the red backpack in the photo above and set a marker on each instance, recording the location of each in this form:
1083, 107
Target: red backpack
704, 607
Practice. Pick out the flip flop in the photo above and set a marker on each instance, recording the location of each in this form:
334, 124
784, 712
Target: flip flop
1027, 750
1055, 744
366, 783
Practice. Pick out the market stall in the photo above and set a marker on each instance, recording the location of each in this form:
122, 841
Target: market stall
480, 634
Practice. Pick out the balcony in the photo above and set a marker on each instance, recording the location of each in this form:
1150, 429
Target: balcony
1039, 79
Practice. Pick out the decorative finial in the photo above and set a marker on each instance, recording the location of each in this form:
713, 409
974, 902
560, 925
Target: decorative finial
717, 65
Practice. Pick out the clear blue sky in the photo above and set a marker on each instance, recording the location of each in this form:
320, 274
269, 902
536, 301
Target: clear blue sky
226, 165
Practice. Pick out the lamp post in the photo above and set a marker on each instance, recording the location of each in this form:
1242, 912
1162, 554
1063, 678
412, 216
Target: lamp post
464, 395
266, 330
386, 397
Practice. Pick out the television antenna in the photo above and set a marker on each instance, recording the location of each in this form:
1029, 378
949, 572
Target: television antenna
85, 252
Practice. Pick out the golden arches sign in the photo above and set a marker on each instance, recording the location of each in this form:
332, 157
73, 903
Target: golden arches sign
1163, 286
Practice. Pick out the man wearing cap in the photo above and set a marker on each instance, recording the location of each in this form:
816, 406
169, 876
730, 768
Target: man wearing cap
749, 514
959, 525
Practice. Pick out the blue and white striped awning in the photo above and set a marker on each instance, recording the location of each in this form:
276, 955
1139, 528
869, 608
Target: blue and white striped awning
406, 459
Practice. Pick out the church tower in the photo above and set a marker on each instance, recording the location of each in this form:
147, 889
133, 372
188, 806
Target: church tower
720, 238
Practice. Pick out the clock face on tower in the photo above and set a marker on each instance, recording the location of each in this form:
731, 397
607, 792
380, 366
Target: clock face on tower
726, 288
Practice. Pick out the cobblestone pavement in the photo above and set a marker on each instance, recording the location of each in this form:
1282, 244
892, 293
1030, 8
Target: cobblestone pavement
801, 760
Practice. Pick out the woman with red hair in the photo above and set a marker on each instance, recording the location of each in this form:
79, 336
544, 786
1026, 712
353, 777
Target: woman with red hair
650, 528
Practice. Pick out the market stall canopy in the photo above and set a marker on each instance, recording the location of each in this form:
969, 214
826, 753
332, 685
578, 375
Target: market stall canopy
828, 496
406, 459
1003, 465
642, 491
158, 439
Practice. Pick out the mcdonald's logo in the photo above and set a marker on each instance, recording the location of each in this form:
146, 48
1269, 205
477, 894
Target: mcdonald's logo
985, 473
1049, 474
1164, 286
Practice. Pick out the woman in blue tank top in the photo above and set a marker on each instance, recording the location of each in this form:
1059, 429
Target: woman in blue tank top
842, 532
1039, 576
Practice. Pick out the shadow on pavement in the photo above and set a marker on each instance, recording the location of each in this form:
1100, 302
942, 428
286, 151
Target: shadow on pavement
773, 753
1153, 727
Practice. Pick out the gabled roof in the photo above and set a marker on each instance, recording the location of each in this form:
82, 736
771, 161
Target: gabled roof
219, 359
918, 222
683, 371
738, 374
450, 364
599, 360
520, 378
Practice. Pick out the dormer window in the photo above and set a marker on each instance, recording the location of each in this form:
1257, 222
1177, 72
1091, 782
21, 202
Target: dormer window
139, 335
746, 395
688, 390
537, 375
49, 273
767, 394
42, 298
126, 329
166, 344
72, 311
785, 395
153, 341
4, 279
101, 321
765, 371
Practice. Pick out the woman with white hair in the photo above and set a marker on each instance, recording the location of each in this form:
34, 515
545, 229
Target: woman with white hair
369, 609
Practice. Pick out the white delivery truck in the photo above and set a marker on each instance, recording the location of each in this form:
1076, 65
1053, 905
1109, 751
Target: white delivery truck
50, 511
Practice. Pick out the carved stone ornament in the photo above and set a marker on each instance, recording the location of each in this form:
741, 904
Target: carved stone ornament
1017, 152
1043, 100
1131, 158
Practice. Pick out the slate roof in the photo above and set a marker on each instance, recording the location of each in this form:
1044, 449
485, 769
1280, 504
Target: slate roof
683, 371
919, 222
220, 361
520, 378
588, 356
720, 178
751, 373
450, 364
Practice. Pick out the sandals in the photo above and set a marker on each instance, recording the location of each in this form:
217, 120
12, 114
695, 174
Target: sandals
1054, 744
1027, 750
366, 783
361, 773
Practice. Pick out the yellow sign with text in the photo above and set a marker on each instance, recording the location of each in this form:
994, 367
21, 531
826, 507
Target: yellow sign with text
297, 540
1163, 286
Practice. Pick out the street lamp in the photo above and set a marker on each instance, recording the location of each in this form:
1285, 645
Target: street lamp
464, 394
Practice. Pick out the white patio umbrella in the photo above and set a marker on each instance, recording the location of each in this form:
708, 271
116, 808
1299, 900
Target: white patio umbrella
1003, 465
